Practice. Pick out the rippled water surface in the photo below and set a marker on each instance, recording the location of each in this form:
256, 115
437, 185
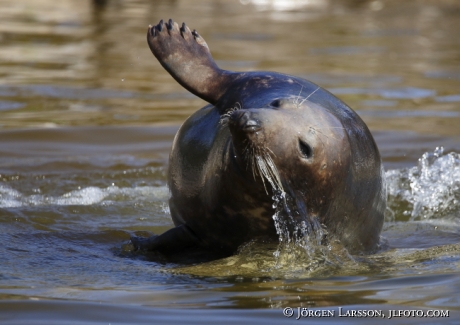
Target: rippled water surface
87, 118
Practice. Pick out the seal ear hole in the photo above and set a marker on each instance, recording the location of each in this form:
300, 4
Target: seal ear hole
305, 149
275, 103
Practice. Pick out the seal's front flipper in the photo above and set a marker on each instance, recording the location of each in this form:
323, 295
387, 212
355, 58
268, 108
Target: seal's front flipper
186, 56
172, 241
144, 243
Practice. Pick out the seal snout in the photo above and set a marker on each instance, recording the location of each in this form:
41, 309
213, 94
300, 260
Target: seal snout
245, 122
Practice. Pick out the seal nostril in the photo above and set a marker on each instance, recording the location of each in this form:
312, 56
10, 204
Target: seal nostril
252, 126
305, 149
244, 121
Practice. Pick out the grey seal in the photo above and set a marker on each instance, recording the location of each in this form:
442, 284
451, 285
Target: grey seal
263, 134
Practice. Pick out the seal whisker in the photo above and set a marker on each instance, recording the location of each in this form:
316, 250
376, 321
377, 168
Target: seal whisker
314, 91
262, 170
297, 98
253, 161
297, 102
314, 130
262, 164
267, 170
228, 112
246, 152
271, 151
333, 127
254, 171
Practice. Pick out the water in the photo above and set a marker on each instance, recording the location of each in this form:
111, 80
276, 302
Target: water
87, 118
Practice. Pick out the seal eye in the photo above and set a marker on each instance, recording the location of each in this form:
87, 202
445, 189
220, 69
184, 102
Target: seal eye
305, 149
275, 103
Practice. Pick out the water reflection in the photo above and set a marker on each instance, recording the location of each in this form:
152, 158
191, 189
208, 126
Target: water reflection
87, 118
284, 5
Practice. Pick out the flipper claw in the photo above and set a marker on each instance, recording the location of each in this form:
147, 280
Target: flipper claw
152, 30
160, 26
184, 30
170, 25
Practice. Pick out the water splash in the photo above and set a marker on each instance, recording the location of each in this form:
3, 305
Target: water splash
11, 198
302, 245
301, 237
430, 190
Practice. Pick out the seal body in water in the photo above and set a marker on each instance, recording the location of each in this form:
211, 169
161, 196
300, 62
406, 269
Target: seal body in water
264, 134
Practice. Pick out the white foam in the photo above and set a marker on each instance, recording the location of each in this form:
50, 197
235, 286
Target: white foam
432, 188
11, 198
